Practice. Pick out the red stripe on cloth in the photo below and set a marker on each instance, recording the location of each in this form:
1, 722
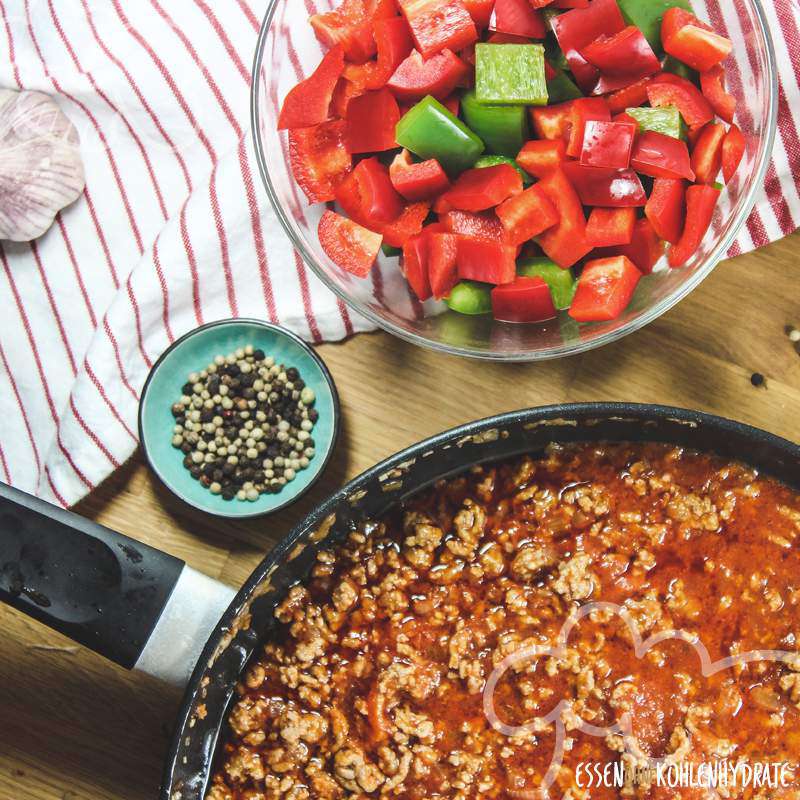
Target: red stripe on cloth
111, 407
306, 295
64, 452
137, 320
5, 465
91, 434
345, 315
21, 405
191, 258
118, 358
76, 269
164, 292
87, 196
249, 15
11, 54
229, 48
53, 489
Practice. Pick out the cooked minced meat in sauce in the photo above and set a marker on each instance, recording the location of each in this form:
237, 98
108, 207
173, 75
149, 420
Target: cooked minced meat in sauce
373, 686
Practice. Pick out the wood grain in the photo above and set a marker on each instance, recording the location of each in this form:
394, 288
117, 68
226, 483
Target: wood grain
74, 727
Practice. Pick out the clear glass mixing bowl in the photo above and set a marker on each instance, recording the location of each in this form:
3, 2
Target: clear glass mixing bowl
288, 51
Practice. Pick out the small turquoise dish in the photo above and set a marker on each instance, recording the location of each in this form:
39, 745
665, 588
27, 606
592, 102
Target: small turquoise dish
191, 353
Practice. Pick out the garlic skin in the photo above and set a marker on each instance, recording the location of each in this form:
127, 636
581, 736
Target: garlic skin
41, 170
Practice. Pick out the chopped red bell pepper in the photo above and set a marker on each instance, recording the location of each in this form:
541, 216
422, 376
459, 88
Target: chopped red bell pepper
610, 226
367, 195
645, 248
486, 261
604, 289
565, 243
608, 188
371, 121
712, 82
442, 271
608, 144
519, 18
524, 300
348, 244
408, 224
701, 200
629, 97
480, 11
498, 37
415, 265
483, 225
319, 159
622, 59
436, 24
552, 122
344, 92
540, 156
733, 148
661, 156
479, 189
672, 90
393, 39
689, 40
309, 102
437, 75
707, 153
417, 181
526, 215
665, 208
585, 109
348, 26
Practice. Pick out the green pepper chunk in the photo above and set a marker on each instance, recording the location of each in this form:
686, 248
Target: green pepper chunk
470, 297
562, 282
390, 251
560, 89
647, 15
671, 64
510, 74
504, 129
429, 130
666, 120
493, 161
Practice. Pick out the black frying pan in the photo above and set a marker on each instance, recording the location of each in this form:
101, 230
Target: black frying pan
145, 609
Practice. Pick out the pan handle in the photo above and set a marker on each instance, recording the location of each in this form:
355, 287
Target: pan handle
133, 604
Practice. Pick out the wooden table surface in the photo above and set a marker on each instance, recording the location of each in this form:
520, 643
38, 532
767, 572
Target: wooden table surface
74, 727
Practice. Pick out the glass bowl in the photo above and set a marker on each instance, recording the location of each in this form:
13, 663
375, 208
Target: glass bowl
288, 51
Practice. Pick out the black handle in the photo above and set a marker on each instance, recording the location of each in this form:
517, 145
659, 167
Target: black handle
100, 588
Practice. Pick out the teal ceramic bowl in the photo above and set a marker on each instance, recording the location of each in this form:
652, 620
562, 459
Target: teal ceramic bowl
192, 353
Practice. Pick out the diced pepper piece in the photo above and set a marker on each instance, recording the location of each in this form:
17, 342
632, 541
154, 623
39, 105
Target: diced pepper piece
605, 288
436, 24
560, 281
560, 88
707, 153
540, 156
319, 159
415, 266
436, 76
348, 244
665, 208
645, 248
502, 128
417, 181
712, 83
552, 122
646, 15
485, 261
566, 241
344, 92
622, 59
689, 40
367, 195
631, 96
733, 148
429, 130
661, 156
483, 225
608, 188
701, 200
371, 121
607, 144
670, 90
442, 274
585, 110
518, 17
393, 39
309, 102
493, 161
351, 27
610, 226
666, 120
510, 74
524, 300
527, 215
479, 189
408, 224
470, 297
480, 11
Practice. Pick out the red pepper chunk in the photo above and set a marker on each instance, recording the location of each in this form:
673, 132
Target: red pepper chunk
309, 102
393, 39
348, 26
318, 159
565, 242
438, 76
348, 244
672, 90
408, 224
417, 181
707, 153
367, 195
644, 249
415, 266
524, 300
583, 111
552, 122
442, 271
436, 24
604, 289
480, 11
519, 18
712, 84
665, 208
608, 144
479, 189
629, 97
371, 121
610, 226
689, 40
608, 188
661, 156
540, 156
526, 215
482, 225
622, 59
733, 148
486, 261
700, 203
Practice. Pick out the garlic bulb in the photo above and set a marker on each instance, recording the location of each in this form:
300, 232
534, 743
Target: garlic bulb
40, 164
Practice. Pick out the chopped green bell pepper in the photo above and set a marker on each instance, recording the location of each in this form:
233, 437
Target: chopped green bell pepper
670, 64
493, 161
390, 251
647, 15
510, 74
560, 88
429, 130
470, 297
562, 282
504, 129
666, 120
